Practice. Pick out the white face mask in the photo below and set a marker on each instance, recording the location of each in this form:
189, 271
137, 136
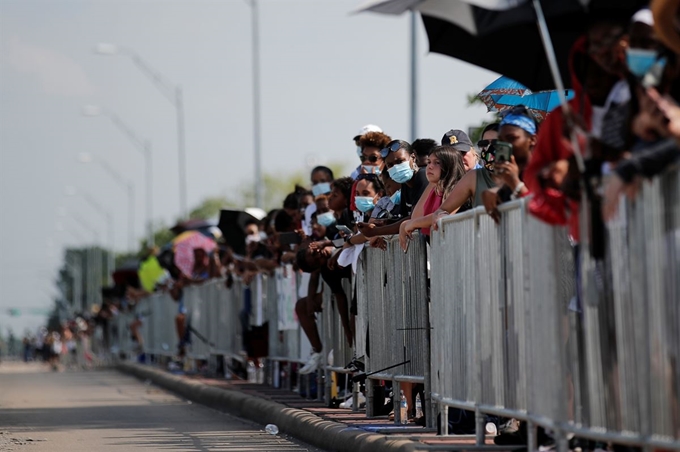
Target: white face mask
321, 189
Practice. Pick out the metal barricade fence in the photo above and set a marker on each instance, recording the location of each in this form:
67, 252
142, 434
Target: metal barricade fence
631, 315
510, 337
145, 314
334, 340
198, 312
226, 327
392, 301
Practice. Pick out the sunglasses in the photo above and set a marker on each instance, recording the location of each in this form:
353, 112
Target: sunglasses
394, 147
369, 158
484, 144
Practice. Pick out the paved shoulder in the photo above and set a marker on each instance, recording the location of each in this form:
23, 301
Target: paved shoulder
108, 411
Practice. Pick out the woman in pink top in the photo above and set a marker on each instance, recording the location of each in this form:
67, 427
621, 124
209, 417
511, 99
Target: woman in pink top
444, 169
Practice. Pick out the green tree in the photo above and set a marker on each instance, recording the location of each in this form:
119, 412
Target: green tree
210, 207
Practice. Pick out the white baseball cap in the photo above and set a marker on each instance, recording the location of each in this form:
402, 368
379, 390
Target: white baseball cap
365, 129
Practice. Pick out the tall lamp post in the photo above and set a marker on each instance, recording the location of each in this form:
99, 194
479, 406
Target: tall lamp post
174, 94
257, 151
144, 146
125, 184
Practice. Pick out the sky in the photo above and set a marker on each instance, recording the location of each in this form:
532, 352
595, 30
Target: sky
325, 72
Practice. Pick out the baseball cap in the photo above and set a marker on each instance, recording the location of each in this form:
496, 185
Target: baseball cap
458, 139
365, 129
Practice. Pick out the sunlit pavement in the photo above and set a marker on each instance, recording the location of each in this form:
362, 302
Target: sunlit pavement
103, 410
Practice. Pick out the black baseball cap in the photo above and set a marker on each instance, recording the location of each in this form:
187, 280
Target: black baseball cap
458, 139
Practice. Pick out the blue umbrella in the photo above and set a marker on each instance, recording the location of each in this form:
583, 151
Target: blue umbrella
539, 104
502, 86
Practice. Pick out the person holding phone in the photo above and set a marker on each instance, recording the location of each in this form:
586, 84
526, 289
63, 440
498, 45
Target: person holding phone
517, 138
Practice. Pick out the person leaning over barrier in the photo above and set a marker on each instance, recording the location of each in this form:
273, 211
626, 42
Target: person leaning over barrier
470, 187
518, 129
400, 161
306, 308
315, 261
444, 169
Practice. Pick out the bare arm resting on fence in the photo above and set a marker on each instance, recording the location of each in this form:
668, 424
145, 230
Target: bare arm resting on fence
464, 190
370, 230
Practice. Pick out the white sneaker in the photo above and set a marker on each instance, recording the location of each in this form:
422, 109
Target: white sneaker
348, 403
312, 364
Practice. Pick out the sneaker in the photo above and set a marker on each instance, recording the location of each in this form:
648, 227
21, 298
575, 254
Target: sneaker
348, 403
312, 364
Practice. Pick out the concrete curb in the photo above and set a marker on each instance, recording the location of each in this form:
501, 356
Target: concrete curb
300, 424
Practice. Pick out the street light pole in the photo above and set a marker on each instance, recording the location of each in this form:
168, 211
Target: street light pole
126, 184
149, 197
414, 76
144, 146
174, 94
257, 151
182, 158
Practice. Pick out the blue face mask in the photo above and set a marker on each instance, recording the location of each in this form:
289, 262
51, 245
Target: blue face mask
321, 189
640, 61
364, 203
396, 198
326, 219
401, 173
371, 169
359, 151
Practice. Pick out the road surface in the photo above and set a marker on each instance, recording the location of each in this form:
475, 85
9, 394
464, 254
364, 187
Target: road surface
107, 411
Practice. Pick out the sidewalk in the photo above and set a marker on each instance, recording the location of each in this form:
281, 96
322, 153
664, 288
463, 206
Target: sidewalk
307, 420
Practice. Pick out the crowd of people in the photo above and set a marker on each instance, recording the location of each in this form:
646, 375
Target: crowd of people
622, 125
68, 346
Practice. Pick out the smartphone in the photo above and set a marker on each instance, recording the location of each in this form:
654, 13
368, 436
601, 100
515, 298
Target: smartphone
503, 151
345, 230
290, 238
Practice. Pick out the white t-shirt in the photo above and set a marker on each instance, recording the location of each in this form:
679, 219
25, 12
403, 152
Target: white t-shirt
307, 223
619, 94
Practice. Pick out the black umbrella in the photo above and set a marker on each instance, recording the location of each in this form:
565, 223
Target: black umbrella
233, 222
510, 42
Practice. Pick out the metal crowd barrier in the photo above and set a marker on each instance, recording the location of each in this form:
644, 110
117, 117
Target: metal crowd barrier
511, 338
631, 322
284, 331
392, 294
334, 341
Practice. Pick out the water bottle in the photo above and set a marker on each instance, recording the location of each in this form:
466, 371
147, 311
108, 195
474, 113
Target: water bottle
260, 373
419, 406
271, 429
251, 371
403, 409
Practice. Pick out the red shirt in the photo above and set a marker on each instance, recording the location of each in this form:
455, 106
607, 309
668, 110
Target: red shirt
432, 203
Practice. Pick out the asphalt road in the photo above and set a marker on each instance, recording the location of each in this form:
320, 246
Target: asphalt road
107, 411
